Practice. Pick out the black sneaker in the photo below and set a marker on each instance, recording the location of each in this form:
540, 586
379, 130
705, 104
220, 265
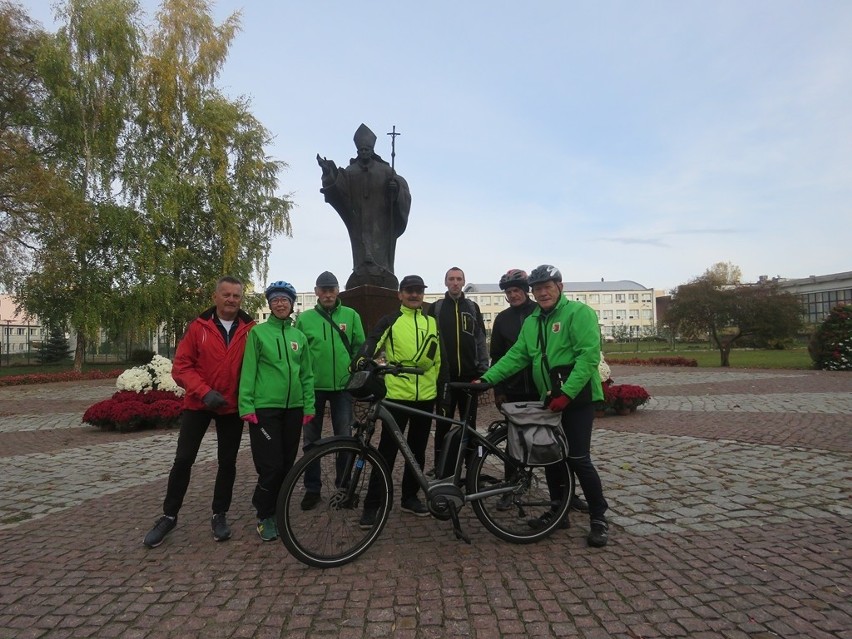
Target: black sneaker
414, 506
157, 534
221, 529
537, 523
310, 500
599, 533
368, 518
579, 505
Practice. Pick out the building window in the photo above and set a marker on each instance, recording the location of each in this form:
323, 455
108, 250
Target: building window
633, 297
606, 298
646, 297
607, 314
619, 298
581, 298
594, 298
21, 331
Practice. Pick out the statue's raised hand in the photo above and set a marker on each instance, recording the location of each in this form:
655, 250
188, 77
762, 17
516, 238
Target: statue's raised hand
328, 167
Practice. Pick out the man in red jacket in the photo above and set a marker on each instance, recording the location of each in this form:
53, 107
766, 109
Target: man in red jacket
207, 366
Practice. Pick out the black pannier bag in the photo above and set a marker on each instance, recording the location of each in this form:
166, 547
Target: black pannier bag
536, 437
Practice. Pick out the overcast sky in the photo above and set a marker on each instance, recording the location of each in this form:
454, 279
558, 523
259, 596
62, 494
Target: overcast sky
618, 140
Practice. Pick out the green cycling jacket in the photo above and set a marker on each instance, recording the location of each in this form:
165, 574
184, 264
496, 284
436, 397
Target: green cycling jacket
411, 339
277, 370
568, 334
329, 355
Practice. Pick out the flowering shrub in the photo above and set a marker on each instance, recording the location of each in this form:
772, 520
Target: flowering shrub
658, 361
66, 376
624, 396
604, 370
147, 397
155, 375
831, 345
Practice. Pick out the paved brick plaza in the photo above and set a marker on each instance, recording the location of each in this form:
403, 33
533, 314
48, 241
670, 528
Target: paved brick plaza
730, 509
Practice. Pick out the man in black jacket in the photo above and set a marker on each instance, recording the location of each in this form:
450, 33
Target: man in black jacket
464, 352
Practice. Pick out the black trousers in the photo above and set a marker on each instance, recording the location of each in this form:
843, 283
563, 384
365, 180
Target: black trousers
417, 439
275, 442
456, 401
193, 425
577, 423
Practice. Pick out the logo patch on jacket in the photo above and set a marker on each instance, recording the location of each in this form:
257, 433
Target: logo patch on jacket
343, 326
294, 346
557, 326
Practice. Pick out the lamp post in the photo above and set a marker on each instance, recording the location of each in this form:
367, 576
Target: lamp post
8, 338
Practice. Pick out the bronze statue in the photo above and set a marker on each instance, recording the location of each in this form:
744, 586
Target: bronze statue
373, 202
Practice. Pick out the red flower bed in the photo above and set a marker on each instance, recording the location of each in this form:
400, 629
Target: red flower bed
656, 361
66, 376
624, 397
127, 410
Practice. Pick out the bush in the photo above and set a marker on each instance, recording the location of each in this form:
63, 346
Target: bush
830, 347
141, 356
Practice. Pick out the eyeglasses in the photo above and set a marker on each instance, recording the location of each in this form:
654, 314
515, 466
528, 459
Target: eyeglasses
279, 300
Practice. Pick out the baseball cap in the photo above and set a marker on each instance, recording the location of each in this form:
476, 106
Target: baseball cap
410, 281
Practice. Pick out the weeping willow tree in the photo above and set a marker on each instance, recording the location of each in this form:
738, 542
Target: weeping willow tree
199, 173
171, 182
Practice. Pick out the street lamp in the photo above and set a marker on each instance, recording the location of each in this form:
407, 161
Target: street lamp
8, 337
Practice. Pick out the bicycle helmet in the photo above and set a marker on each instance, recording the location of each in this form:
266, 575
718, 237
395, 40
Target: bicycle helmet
515, 277
544, 273
281, 288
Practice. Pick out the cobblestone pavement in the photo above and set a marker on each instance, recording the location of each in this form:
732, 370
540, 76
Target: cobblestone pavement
729, 502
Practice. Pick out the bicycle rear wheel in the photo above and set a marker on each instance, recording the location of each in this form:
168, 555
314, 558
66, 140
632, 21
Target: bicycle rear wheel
329, 534
517, 522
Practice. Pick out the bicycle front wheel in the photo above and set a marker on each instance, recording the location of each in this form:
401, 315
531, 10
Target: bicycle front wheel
334, 531
533, 509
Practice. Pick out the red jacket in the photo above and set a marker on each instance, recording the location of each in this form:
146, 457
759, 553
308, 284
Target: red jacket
203, 362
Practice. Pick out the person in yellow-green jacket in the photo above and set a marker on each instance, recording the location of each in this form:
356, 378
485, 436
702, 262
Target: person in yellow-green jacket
410, 338
276, 398
560, 340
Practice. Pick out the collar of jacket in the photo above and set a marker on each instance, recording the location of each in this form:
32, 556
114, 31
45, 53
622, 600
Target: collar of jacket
410, 311
286, 323
337, 304
244, 317
559, 304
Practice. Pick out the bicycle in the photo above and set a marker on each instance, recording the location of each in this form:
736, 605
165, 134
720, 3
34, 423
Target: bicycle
329, 535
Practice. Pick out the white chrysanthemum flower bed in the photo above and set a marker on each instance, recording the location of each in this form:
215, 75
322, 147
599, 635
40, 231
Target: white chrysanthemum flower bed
156, 375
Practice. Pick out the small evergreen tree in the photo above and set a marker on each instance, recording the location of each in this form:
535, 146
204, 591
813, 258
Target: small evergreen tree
831, 345
55, 348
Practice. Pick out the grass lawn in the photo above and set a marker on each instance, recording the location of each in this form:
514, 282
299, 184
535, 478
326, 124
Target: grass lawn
794, 358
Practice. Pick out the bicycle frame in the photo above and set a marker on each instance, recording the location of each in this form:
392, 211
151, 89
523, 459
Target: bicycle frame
379, 411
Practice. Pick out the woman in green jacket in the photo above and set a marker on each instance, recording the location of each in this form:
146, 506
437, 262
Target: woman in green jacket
276, 398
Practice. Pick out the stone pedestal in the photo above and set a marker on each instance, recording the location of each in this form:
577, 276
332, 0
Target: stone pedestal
371, 302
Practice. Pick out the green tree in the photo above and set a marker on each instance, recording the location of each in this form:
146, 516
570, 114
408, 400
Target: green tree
89, 70
199, 173
54, 348
831, 344
723, 274
31, 190
727, 313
